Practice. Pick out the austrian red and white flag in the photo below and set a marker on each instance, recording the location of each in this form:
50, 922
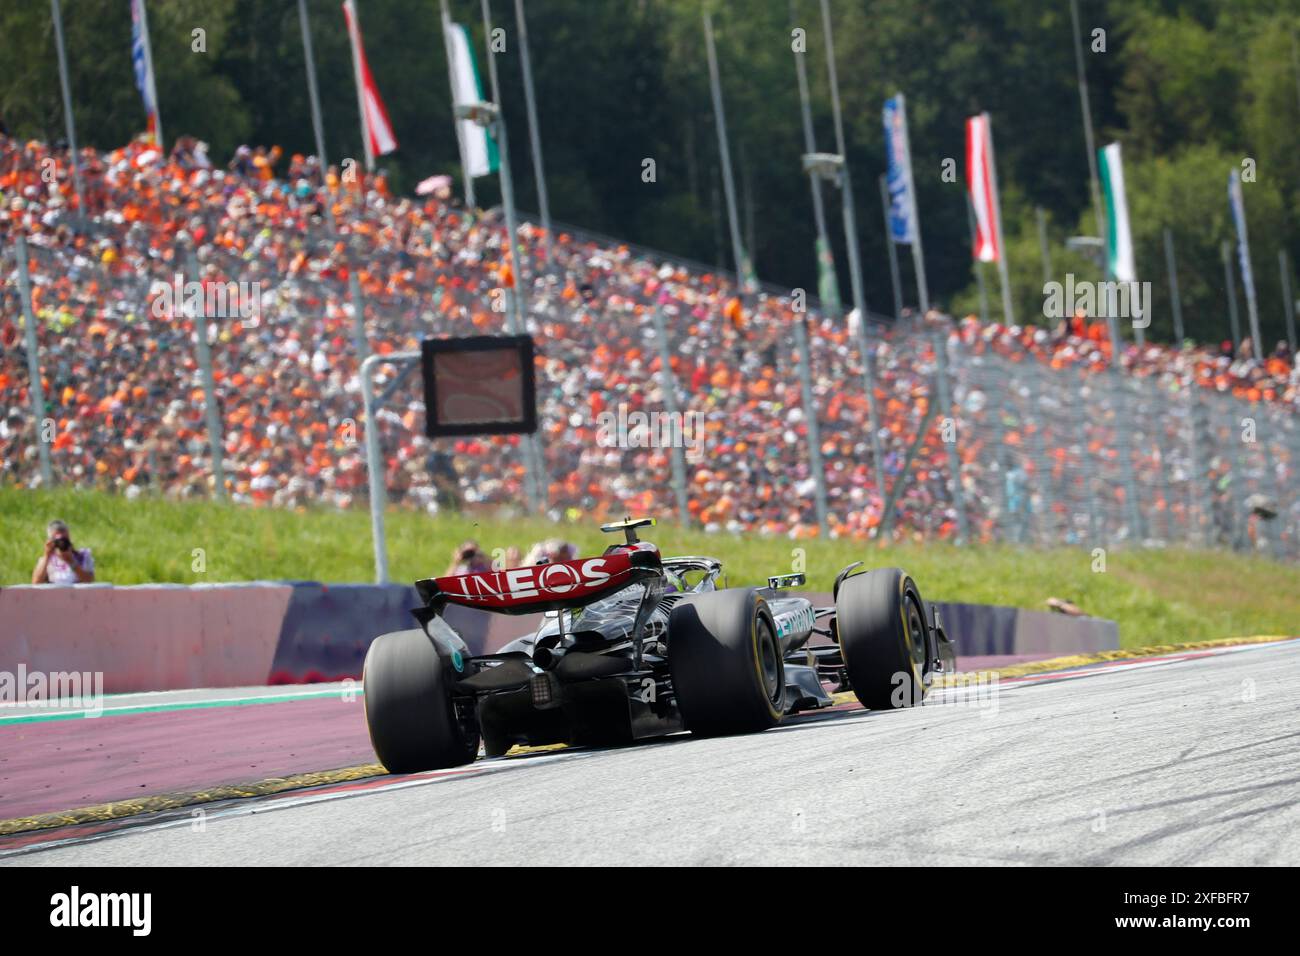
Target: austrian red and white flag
979, 181
374, 118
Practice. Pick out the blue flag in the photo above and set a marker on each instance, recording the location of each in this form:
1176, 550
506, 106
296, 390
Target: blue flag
142, 62
902, 204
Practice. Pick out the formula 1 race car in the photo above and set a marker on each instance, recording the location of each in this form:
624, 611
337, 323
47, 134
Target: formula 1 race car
633, 645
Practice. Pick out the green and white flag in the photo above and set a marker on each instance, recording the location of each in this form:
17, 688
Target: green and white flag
828, 289
478, 146
1119, 237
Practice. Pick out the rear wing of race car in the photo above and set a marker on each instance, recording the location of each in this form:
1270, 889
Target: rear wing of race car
545, 587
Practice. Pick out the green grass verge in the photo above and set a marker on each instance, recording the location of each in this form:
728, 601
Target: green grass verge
1156, 596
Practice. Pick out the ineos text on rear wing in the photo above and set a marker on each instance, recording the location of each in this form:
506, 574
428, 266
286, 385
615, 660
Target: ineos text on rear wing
544, 587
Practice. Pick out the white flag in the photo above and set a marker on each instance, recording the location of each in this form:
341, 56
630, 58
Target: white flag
1119, 237
480, 148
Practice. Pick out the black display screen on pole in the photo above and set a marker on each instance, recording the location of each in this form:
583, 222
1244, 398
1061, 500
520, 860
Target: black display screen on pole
479, 385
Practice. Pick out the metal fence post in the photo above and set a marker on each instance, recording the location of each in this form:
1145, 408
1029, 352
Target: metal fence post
1288, 303
1046, 523
37, 388
377, 481
534, 490
1096, 530
868, 353
954, 458
1234, 322
1270, 476
1175, 298
668, 382
1196, 515
216, 445
1001, 455
1230, 457
1287, 509
1123, 425
815, 465
1158, 444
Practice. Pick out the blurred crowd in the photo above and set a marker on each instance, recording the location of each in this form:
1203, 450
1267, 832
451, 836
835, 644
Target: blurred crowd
125, 402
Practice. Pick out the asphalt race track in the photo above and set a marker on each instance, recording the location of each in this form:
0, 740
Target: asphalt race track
1181, 760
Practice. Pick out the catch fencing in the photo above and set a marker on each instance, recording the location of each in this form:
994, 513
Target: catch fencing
1040, 455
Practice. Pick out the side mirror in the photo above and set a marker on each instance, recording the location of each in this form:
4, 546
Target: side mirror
776, 582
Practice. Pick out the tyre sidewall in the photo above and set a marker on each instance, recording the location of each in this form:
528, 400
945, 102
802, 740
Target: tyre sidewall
715, 655
408, 705
876, 639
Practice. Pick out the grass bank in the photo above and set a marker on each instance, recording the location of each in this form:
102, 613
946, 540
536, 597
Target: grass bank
1156, 596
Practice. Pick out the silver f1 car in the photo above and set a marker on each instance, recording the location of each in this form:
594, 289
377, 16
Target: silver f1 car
633, 645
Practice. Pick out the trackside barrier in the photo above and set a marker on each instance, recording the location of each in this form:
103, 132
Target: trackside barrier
171, 636
148, 637
979, 630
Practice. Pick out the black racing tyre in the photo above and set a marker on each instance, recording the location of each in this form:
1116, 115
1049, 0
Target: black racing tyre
726, 663
409, 712
881, 622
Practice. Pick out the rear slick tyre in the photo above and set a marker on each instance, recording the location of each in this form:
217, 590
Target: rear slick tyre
409, 712
880, 618
726, 663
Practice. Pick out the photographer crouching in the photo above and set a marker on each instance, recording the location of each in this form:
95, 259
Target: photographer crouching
62, 563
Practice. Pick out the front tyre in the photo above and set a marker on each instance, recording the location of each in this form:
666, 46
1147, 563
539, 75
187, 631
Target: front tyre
726, 663
881, 618
409, 711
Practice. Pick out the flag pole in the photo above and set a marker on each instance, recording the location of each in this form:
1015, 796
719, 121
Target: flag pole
1043, 250
854, 255
728, 183
354, 40
36, 390
989, 158
1233, 320
846, 189
68, 120
1288, 303
918, 257
1088, 137
894, 279
1175, 298
976, 264
152, 85
531, 445
354, 283
534, 134
1295, 64
1247, 272
825, 256
520, 307
318, 125
815, 465
466, 178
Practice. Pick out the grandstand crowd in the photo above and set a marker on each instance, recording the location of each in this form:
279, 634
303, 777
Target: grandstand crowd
122, 384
